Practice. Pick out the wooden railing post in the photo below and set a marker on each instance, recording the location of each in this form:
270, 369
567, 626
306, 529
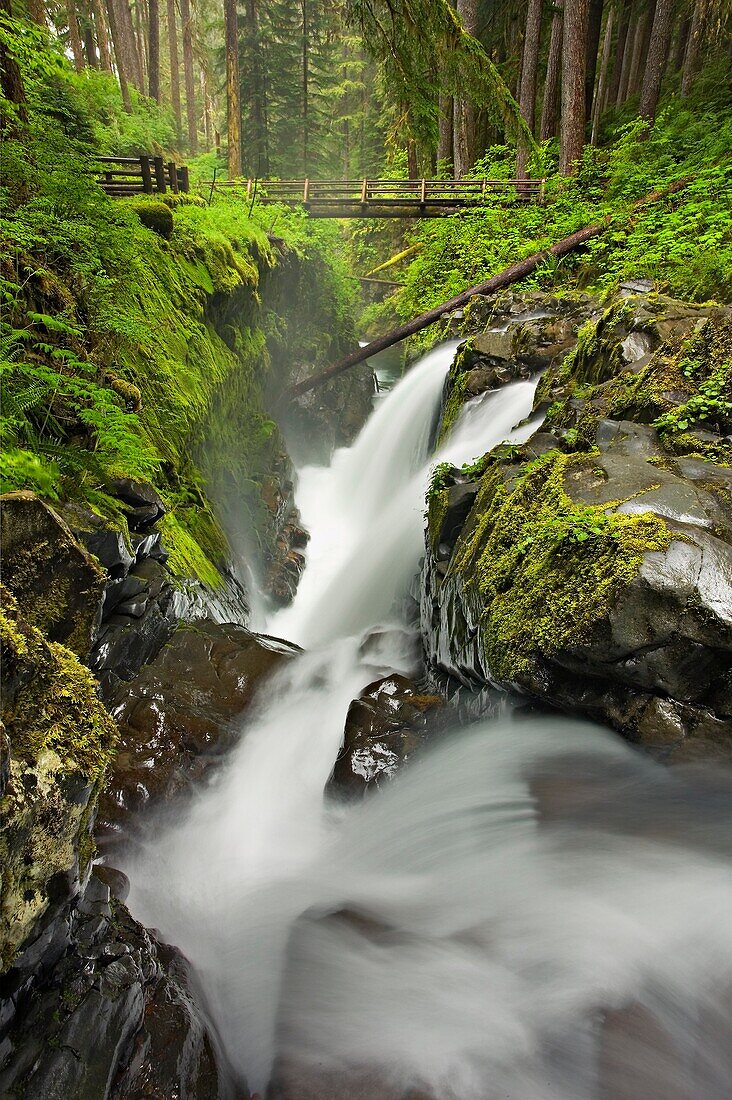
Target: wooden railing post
173, 177
365, 193
159, 169
184, 181
423, 193
306, 193
147, 186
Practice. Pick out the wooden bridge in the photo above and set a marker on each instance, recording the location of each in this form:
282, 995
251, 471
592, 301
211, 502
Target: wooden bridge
383, 198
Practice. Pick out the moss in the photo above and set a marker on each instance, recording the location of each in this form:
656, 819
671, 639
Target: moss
61, 740
195, 543
546, 569
155, 215
454, 404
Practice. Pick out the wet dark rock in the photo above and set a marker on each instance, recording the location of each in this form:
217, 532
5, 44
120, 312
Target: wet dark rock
114, 1018
656, 664
54, 578
145, 506
384, 727
4, 759
181, 713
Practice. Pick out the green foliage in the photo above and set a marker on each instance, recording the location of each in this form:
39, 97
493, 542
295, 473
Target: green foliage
154, 214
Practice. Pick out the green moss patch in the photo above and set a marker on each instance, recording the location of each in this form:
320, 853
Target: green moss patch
545, 568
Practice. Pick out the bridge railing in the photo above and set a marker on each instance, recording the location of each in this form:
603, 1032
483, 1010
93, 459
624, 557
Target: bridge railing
143, 175
388, 193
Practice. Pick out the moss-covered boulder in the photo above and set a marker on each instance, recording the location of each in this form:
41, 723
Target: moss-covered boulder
60, 741
56, 580
594, 570
155, 215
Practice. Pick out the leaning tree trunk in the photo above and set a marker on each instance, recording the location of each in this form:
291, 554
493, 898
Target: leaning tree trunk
527, 93
174, 69
594, 29
604, 73
550, 104
74, 36
123, 73
574, 60
128, 57
186, 20
694, 46
464, 139
100, 25
153, 47
233, 88
657, 58
37, 12
627, 62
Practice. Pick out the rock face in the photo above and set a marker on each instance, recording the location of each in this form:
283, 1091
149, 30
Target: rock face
59, 581
384, 727
181, 714
594, 568
113, 1019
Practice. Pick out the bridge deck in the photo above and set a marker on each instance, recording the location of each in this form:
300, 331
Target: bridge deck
384, 198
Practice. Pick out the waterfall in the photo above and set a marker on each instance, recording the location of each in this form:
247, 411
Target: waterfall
467, 930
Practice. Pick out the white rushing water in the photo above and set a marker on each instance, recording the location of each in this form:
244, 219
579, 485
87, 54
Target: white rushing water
489, 907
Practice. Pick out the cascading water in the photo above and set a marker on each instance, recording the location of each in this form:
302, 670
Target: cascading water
488, 910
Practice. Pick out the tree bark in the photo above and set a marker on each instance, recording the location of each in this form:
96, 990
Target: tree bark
527, 93
594, 29
233, 88
174, 69
74, 36
604, 74
37, 12
657, 58
640, 45
128, 57
682, 38
464, 134
627, 61
86, 25
100, 25
574, 61
191, 117
550, 104
445, 135
153, 46
623, 24
694, 46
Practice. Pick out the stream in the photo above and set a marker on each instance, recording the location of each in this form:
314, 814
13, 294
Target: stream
530, 911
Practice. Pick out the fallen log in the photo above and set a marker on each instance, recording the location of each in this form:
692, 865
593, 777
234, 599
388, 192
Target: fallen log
503, 279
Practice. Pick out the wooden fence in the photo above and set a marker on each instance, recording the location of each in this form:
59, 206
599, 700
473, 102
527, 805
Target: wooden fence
385, 198
144, 175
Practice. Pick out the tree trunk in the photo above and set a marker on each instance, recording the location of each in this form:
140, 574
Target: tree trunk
604, 73
74, 36
187, 22
174, 69
527, 93
37, 12
138, 34
464, 134
446, 109
305, 90
120, 58
258, 109
574, 60
127, 56
233, 88
682, 38
624, 22
640, 45
86, 25
594, 28
657, 58
694, 46
627, 61
153, 45
100, 25
550, 104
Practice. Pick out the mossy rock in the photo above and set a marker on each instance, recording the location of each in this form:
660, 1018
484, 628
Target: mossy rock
61, 739
155, 215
